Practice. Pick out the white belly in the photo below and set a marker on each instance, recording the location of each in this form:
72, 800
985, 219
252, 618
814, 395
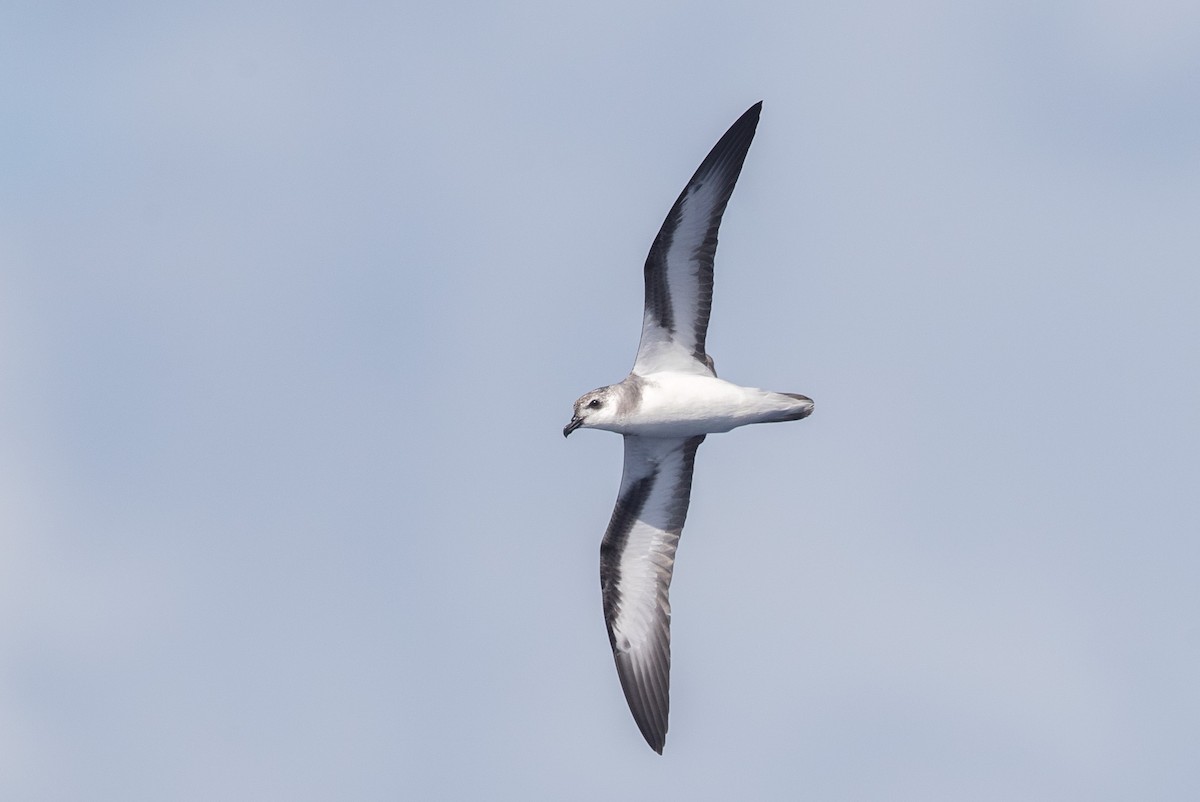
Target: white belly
685, 405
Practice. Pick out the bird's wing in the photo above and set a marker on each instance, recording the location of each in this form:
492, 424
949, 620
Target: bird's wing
679, 269
636, 559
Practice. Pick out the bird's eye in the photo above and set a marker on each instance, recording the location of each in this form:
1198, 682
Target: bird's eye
594, 403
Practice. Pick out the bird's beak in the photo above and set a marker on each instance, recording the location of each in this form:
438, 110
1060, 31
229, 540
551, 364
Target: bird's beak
575, 423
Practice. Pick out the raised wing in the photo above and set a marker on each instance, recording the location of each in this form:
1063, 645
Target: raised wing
636, 560
679, 269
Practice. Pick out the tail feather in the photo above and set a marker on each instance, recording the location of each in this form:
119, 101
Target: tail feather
802, 409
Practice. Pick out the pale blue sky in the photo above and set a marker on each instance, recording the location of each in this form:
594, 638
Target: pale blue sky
294, 301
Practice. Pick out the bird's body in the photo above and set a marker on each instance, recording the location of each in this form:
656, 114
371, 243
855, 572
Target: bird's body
672, 404
665, 407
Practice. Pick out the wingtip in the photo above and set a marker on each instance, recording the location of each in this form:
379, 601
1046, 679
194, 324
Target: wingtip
655, 740
654, 732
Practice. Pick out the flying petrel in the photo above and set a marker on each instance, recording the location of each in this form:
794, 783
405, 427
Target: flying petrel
664, 408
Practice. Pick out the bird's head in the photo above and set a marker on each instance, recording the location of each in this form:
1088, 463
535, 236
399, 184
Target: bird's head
595, 409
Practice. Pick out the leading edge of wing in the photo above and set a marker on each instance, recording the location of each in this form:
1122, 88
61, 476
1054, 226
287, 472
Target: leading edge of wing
637, 557
679, 267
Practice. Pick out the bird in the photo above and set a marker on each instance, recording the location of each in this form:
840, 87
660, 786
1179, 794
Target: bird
664, 408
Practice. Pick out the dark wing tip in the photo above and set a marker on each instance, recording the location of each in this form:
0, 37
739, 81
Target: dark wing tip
648, 700
749, 116
730, 150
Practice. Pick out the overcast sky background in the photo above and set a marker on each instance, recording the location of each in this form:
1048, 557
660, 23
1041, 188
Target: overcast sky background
295, 300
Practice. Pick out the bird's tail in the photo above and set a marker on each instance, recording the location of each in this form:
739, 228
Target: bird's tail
799, 406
